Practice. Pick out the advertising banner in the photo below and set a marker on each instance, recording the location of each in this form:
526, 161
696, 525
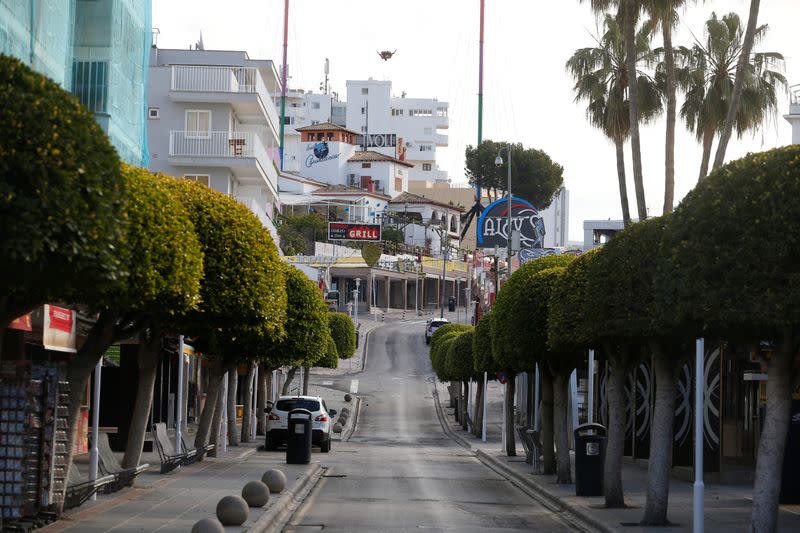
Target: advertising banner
493, 224
59, 329
24, 323
354, 231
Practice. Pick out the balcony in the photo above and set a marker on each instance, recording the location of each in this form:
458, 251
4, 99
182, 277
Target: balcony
440, 140
241, 87
794, 100
243, 152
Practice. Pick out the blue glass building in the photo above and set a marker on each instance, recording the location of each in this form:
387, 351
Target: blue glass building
98, 50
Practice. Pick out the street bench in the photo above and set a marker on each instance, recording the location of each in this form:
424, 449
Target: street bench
189, 447
80, 489
170, 460
533, 447
109, 466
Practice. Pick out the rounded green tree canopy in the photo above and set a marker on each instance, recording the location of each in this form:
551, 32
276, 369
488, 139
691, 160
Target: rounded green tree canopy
438, 355
732, 249
459, 357
482, 360
344, 334
567, 326
61, 196
330, 358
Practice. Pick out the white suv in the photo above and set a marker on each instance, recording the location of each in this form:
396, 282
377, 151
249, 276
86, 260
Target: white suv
321, 420
432, 325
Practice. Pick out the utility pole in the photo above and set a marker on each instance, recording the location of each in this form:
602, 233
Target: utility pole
445, 246
284, 73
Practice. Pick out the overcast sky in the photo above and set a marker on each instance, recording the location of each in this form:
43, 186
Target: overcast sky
527, 94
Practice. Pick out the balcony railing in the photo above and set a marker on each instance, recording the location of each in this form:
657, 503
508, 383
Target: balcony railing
794, 96
200, 78
253, 206
215, 144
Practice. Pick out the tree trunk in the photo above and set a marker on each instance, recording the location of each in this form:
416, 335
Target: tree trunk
738, 84
665, 367
306, 376
511, 445
248, 403
548, 451
286, 384
233, 384
218, 410
563, 467
264, 384
631, 14
149, 346
708, 139
477, 409
615, 392
771, 446
464, 410
204, 424
669, 144
623, 185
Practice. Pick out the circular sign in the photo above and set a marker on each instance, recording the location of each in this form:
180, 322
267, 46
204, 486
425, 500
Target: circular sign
321, 150
493, 224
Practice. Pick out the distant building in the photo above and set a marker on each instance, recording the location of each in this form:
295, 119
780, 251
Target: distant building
211, 118
96, 49
794, 113
598, 232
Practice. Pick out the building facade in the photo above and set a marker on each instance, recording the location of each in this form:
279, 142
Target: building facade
794, 113
96, 49
211, 118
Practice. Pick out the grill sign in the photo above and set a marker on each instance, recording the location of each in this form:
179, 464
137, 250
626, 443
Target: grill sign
349, 231
493, 224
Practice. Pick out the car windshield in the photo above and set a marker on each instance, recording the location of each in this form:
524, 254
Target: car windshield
437, 323
297, 403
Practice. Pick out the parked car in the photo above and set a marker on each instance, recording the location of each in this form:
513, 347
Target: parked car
278, 420
432, 325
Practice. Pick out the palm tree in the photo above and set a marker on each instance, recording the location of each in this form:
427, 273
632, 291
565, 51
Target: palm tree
601, 78
708, 75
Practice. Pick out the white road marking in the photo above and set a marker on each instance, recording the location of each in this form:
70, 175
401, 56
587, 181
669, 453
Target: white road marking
327, 383
353, 386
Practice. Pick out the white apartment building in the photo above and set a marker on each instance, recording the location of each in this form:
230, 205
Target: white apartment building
794, 113
211, 118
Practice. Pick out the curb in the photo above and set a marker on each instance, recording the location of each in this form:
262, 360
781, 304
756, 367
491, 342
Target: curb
281, 511
351, 427
570, 513
366, 347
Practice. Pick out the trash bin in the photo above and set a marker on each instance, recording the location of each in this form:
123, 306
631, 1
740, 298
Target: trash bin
590, 458
298, 437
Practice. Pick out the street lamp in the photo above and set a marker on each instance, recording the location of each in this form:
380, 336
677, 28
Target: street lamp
498, 161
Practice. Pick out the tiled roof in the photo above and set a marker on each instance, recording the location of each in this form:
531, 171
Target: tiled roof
417, 199
325, 126
371, 156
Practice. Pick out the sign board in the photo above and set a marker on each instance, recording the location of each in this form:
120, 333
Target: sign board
377, 140
59, 329
24, 323
354, 231
529, 254
493, 224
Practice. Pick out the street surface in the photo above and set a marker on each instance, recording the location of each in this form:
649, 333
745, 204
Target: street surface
400, 471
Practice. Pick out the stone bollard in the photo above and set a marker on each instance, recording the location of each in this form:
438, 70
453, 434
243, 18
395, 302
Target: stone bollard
337, 427
256, 493
348, 398
232, 511
208, 525
345, 411
275, 480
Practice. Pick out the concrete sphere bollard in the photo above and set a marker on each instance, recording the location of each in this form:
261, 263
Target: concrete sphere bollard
342, 421
337, 427
232, 511
256, 493
348, 397
275, 480
345, 411
208, 525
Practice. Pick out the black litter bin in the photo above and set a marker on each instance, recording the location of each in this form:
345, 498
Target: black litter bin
298, 437
590, 458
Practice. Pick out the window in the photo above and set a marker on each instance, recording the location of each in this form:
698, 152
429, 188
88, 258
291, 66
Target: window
397, 112
425, 148
287, 120
398, 184
153, 113
314, 105
199, 178
198, 124
330, 136
297, 403
366, 165
426, 166
363, 110
363, 129
364, 90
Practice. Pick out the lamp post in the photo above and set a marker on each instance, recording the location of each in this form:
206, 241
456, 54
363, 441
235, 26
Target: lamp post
498, 161
467, 294
445, 247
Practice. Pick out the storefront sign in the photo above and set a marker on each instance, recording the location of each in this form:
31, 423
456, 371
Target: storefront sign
59, 329
24, 323
529, 254
319, 152
351, 231
493, 224
377, 140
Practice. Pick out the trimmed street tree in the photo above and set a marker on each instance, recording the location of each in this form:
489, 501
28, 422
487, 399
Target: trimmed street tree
731, 270
441, 332
61, 197
243, 285
459, 364
482, 361
343, 332
510, 350
164, 263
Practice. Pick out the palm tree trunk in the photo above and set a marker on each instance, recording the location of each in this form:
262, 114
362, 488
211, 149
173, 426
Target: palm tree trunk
148, 361
511, 444
248, 403
204, 425
548, 451
669, 145
477, 409
738, 84
264, 384
708, 139
233, 384
655, 509
623, 185
289, 377
631, 14
772, 445
615, 392
563, 470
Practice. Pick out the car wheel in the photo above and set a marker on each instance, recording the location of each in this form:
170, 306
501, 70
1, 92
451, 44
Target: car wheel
325, 447
270, 444
427, 340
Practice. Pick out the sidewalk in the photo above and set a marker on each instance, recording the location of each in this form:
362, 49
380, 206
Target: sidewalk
727, 507
174, 502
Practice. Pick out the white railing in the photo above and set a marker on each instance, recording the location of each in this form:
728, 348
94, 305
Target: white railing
215, 144
252, 205
440, 139
794, 95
